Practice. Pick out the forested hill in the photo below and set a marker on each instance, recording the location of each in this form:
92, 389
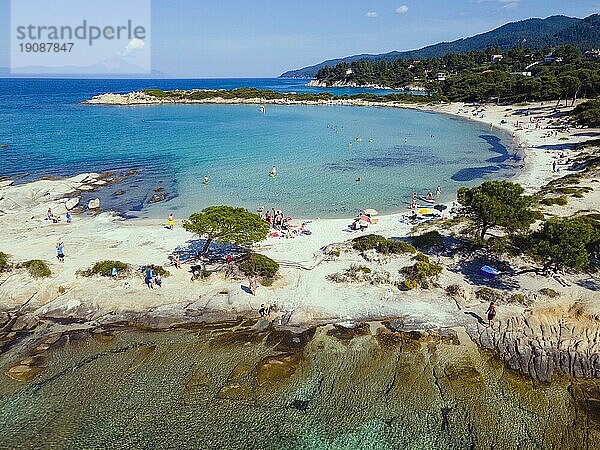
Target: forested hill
536, 34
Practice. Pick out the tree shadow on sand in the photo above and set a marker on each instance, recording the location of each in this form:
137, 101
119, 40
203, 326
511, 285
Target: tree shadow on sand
470, 270
590, 283
217, 253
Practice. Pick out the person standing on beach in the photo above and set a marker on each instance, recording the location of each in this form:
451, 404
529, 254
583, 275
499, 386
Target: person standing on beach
60, 251
149, 277
438, 193
553, 166
491, 314
252, 284
171, 221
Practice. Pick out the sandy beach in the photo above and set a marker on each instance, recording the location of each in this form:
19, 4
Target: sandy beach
302, 293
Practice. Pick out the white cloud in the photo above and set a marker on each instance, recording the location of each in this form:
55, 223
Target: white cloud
133, 45
372, 14
510, 5
506, 4
402, 9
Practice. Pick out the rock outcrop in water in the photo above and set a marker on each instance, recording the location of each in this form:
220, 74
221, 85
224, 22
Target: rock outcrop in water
326, 387
540, 343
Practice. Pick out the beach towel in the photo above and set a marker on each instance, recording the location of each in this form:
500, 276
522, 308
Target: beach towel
489, 272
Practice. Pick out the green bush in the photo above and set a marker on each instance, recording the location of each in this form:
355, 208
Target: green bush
422, 257
368, 242
257, 264
517, 298
409, 285
403, 247
364, 269
160, 270
381, 245
421, 272
4, 262
104, 268
549, 201
549, 292
487, 294
429, 239
37, 268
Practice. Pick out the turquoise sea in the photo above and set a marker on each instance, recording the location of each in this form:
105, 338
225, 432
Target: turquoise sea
319, 152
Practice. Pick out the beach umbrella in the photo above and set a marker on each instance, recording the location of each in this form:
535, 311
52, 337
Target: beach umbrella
365, 218
370, 212
440, 207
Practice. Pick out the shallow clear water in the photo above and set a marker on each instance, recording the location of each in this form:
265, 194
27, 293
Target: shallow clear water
327, 389
319, 151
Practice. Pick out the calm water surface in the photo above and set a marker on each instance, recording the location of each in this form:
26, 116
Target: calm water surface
319, 151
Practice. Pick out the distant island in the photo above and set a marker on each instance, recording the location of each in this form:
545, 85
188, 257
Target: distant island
536, 34
250, 96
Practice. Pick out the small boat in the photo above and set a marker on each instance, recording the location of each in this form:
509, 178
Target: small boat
4, 145
427, 200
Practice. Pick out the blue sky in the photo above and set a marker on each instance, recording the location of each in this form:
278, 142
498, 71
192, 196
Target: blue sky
262, 38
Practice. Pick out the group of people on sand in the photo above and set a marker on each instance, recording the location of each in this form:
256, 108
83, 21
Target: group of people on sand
275, 218
152, 279
430, 197
280, 224
54, 218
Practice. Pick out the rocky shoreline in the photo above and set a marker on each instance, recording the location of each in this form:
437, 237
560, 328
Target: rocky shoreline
351, 84
141, 98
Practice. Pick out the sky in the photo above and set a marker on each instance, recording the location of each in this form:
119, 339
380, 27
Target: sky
263, 38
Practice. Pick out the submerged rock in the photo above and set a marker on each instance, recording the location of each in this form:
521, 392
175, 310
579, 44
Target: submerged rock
94, 203
158, 197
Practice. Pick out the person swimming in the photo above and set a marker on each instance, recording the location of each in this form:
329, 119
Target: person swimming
205, 179
273, 172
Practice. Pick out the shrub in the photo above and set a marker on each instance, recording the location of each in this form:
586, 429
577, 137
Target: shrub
403, 247
429, 239
409, 285
454, 291
368, 242
549, 201
104, 268
257, 264
364, 269
421, 272
160, 270
489, 295
549, 292
199, 272
355, 274
4, 262
422, 257
381, 245
37, 268
517, 298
